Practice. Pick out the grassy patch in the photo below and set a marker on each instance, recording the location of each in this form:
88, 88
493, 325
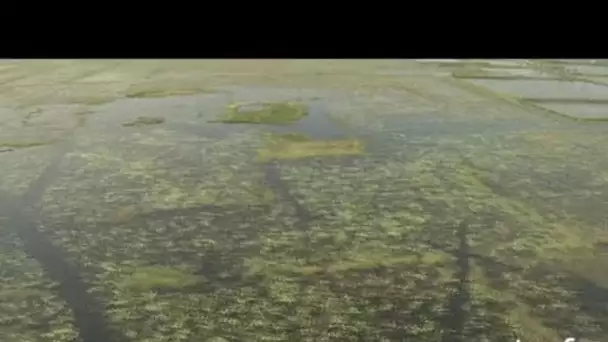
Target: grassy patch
149, 278
151, 92
94, 100
265, 113
21, 144
143, 120
295, 146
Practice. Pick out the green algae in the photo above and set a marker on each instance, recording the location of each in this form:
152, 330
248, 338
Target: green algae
149, 278
144, 121
296, 146
273, 113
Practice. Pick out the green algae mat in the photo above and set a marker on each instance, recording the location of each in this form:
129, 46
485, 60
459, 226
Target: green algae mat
426, 211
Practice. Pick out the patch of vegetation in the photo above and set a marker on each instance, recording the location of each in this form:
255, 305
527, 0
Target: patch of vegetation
144, 120
150, 278
22, 144
143, 91
91, 100
265, 113
292, 137
296, 146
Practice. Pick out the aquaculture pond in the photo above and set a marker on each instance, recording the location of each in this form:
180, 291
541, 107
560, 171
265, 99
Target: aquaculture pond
303, 200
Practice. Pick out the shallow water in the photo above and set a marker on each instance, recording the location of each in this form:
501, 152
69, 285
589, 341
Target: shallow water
464, 218
583, 110
546, 89
590, 70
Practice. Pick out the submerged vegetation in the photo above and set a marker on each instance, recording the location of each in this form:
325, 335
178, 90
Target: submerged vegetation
409, 227
265, 113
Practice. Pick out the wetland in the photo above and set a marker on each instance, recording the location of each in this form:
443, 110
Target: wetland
303, 200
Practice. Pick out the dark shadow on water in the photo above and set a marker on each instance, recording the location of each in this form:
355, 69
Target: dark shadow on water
583, 297
457, 313
88, 312
593, 299
281, 189
303, 216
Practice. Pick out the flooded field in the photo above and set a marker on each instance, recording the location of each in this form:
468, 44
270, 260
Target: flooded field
303, 200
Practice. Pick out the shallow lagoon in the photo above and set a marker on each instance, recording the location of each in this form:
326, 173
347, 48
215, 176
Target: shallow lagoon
399, 203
